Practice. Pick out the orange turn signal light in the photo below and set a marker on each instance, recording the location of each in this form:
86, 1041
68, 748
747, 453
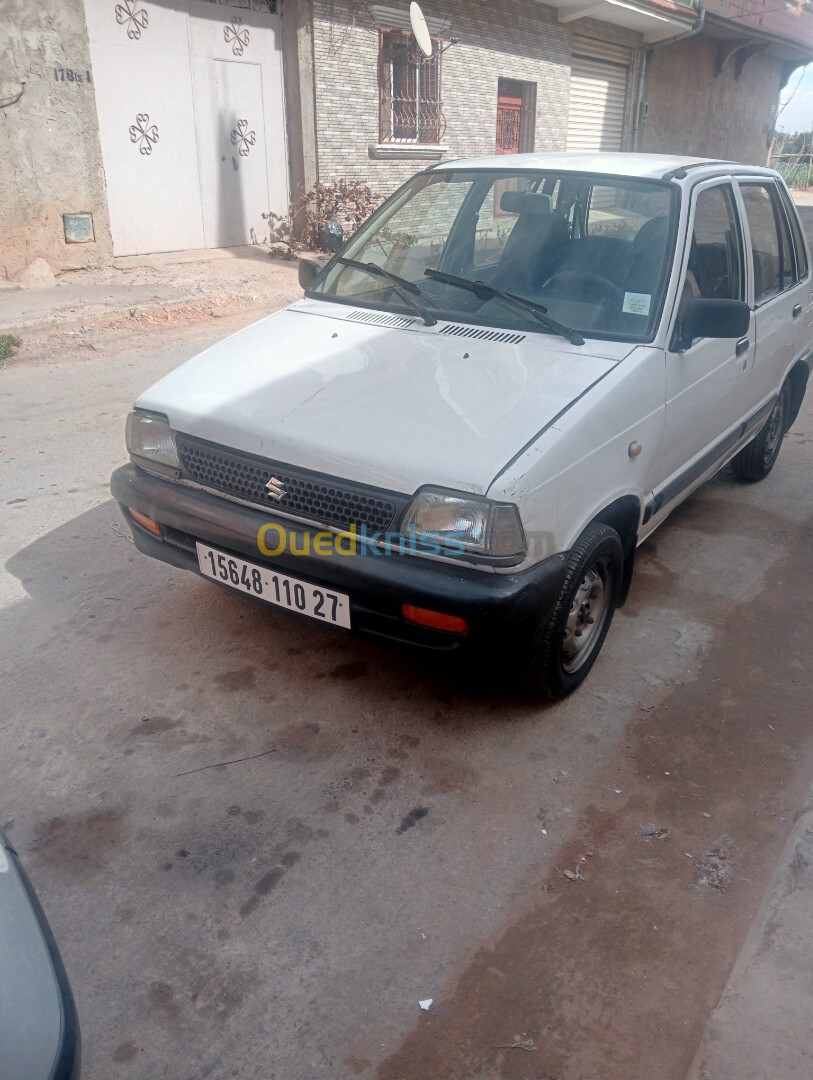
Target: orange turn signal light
145, 522
436, 619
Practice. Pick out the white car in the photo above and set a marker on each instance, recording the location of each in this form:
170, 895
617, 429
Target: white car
489, 397
39, 1027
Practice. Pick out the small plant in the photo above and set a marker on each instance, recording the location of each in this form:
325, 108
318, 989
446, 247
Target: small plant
8, 343
350, 202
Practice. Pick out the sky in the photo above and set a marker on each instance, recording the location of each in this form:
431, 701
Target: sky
798, 113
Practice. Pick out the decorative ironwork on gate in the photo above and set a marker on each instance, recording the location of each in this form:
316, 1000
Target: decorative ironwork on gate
509, 116
264, 7
143, 133
236, 35
242, 138
132, 17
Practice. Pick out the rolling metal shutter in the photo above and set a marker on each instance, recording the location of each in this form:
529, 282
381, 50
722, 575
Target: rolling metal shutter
598, 95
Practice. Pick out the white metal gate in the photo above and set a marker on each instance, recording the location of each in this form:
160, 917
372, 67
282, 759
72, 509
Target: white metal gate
189, 96
598, 96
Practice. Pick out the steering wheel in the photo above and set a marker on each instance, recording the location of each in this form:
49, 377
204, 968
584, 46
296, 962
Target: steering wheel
581, 284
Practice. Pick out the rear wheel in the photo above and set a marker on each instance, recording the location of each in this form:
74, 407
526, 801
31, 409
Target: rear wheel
566, 649
756, 460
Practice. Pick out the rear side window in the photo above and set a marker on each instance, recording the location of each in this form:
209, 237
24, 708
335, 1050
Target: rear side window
796, 232
715, 257
764, 241
785, 245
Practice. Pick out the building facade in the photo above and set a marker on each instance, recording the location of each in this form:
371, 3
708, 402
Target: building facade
716, 93
519, 76
134, 126
650, 75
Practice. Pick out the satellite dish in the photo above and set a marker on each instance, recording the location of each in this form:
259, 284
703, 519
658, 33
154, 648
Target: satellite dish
420, 29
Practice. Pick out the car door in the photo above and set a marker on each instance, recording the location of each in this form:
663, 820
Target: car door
803, 324
706, 382
781, 290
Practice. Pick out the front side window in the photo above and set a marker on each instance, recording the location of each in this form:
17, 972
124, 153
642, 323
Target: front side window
593, 253
715, 268
409, 86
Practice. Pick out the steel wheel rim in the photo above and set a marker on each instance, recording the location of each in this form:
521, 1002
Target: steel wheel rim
587, 616
774, 436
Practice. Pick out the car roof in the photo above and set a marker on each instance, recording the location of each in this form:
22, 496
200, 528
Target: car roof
645, 166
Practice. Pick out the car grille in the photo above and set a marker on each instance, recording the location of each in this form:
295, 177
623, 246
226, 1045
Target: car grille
307, 495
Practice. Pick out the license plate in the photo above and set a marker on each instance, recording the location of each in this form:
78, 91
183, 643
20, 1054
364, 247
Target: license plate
275, 588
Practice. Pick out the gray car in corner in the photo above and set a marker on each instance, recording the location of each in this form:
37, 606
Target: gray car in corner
39, 1027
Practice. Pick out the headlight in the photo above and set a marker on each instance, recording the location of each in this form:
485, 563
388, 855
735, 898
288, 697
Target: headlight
149, 436
476, 525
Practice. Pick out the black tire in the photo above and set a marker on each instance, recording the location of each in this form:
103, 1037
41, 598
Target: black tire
756, 460
558, 663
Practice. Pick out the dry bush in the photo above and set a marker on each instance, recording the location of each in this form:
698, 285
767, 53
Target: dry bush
350, 201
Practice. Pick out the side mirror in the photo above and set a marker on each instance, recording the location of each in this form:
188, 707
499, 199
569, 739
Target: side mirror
712, 319
309, 271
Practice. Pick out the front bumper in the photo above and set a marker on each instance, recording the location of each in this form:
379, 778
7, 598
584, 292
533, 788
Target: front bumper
500, 609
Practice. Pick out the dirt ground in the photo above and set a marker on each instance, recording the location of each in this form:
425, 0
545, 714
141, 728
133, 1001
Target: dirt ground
141, 292
260, 843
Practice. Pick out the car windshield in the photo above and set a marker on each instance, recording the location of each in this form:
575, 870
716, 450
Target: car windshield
589, 251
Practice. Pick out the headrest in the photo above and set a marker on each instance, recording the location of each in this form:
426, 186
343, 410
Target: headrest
532, 203
652, 232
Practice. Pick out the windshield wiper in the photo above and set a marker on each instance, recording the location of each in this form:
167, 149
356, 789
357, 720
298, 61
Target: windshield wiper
406, 289
484, 291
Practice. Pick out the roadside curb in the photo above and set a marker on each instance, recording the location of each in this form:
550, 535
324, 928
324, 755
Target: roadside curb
122, 317
152, 291
760, 1027
145, 316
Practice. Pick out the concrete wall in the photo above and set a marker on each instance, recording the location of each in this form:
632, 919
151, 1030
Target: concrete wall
690, 111
522, 42
297, 56
50, 157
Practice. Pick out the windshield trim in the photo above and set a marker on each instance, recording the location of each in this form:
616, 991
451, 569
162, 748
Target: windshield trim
660, 292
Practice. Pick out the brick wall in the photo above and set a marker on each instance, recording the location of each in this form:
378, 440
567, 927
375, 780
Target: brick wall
517, 39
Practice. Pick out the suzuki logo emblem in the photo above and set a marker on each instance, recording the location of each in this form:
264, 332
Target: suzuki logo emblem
275, 489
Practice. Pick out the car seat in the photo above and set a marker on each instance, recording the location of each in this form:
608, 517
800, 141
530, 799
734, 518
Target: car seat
534, 243
643, 272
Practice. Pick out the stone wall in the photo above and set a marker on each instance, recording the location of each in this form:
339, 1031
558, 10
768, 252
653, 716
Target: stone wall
50, 157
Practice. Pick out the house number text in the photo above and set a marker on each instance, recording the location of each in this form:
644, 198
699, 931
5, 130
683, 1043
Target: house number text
69, 75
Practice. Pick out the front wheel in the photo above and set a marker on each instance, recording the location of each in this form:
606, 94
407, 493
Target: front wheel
566, 649
756, 460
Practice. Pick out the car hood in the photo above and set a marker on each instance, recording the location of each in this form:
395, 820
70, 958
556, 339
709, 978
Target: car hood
395, 407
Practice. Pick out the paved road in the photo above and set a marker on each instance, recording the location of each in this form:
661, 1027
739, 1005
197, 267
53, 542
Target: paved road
280, 916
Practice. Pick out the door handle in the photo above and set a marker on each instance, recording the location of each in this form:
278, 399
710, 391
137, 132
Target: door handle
743, 345
797, 311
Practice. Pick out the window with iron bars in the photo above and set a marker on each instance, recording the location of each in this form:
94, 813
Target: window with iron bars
409, 85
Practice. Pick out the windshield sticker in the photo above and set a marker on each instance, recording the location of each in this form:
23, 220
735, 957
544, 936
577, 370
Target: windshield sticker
637, 303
